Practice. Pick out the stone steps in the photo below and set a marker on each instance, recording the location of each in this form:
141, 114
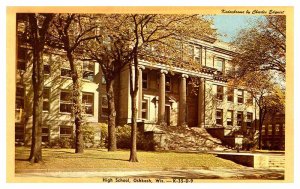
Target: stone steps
189, 139
276, 162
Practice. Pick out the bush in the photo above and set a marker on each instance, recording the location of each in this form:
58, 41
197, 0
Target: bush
104, 135
123, 134
62, 143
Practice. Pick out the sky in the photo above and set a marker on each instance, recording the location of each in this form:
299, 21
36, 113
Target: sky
229, 26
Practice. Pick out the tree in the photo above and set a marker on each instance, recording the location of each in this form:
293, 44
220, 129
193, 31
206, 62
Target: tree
37, 31
69, 31
262, 47
112, 55
267, 95
163, 32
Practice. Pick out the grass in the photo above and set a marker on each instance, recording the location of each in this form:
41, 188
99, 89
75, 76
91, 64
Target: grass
98, 159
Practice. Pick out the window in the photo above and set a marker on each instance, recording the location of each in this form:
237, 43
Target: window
168, 83
249, 119
145, 80
46, 69
219, 117
46, 97
220, 92
229, 118
45, 134
88, 103
88, 71
20, 92
145, 109
230, 94
240, 94
66, 101
239, 118
65, 72
219, 64
65, 131
277, 129
269, 129
263, 130
197, 55
191, 51
104, 106
21, 63
249, 98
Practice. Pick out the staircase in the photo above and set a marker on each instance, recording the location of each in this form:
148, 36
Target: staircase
185, 139
276, 162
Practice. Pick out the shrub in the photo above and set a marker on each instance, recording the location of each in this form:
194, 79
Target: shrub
104, 135
123, 134
63, 142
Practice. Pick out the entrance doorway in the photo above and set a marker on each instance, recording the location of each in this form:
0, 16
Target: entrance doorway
167, 114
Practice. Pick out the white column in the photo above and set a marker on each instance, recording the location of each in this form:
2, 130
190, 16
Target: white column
182, 100
162, 97
201, 108
140, 92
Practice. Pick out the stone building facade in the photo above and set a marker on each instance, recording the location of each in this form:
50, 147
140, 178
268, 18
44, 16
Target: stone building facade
168, 95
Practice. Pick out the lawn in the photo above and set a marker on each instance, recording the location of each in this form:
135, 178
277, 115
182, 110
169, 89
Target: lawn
99, 159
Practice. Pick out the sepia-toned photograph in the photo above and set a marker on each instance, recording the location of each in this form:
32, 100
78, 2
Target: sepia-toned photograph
150, 97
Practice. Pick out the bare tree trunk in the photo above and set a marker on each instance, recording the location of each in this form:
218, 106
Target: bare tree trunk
77, 107
112, 141
133, 93
37, 109
37, 41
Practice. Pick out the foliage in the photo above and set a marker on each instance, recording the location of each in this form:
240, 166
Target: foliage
104, 134
262, 46
62, 142
123, 134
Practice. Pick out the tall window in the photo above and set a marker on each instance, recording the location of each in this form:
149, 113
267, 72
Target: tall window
145, 109
168, 83
191, 51
21, 64
46, 97
270, 132
88, 71
65, 101
240, 94
220, 92
45, 134
249, 98
145, 80
219, 64
104, 106
219, 117
263, 130
88, 103
20, 92
229, 118
249, 119
240, 118
47, 69
197, 55
230, 94
277, 129
65, 72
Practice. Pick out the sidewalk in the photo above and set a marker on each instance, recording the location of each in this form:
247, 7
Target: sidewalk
247, 173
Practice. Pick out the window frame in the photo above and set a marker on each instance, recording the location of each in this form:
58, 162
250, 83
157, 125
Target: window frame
249, 121
215, 59
219, 117
65, 135
65, 76
70, 102
145, 81
88, 104
87, 69
230, 119
240, 96
145, 110
230, 94
220, 94
239, 120
46, 100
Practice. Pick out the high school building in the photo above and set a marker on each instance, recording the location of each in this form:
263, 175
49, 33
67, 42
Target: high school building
168, 95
